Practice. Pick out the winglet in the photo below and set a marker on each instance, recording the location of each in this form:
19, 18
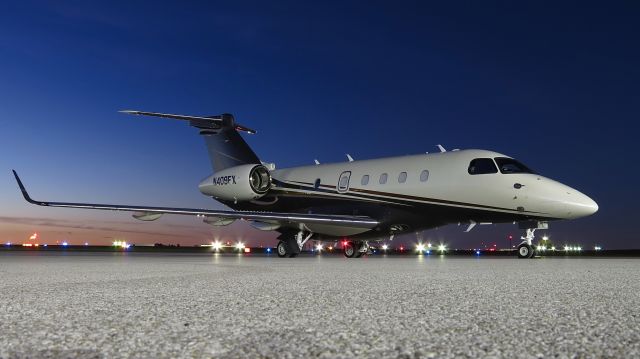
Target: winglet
24, 190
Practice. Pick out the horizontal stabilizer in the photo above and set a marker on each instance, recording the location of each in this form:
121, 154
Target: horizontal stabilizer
202, 122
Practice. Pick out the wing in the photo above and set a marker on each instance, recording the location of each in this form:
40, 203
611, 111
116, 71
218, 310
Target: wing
283, 218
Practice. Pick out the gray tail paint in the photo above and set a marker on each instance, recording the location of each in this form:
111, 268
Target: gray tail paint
225, 145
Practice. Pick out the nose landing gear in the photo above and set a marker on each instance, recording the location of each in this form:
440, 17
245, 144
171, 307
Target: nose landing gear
526, 249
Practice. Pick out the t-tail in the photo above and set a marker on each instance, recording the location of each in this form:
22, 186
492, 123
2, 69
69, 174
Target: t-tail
225, 145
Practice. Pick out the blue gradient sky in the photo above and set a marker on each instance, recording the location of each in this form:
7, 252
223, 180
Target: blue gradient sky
555, 86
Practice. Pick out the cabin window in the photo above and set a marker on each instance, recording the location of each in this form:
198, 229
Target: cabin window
424, 176
383, 178
481, 166
365, 180
509, 165
316, 185
402, 177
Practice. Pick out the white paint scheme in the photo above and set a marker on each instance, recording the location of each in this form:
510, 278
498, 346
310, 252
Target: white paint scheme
449, 180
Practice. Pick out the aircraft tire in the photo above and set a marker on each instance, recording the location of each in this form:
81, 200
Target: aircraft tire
282, 249
349, 250
292, 248
525, 251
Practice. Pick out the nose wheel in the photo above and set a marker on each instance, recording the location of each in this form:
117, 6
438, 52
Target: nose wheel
525, 250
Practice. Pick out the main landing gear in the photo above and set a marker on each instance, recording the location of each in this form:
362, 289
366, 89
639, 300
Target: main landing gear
355, 249
291, 247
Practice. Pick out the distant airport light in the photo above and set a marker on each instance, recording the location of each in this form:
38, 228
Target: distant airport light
401, 248
247, 250
319, 247
330, 248
65, 244
597, 248
544, 238
420, 247
216, 245
579, 249
27, 244
239, 246
8, 244
385, 247
566, 249
478, 252
442, 248
34, 236
44, 245
542, 248
428, 245
553, 248
121, 244
428, 251
268, 250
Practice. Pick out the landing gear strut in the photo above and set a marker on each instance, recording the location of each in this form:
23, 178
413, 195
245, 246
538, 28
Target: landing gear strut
355, 249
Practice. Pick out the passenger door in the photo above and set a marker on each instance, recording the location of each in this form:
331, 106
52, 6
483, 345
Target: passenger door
343, 182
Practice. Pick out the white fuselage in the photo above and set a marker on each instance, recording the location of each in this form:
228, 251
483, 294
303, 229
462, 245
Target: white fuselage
448, 180
432, 189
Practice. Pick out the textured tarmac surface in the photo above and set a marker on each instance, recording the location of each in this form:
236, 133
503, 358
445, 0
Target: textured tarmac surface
104, 305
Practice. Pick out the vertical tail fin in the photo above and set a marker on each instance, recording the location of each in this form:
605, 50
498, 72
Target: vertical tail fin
225, 145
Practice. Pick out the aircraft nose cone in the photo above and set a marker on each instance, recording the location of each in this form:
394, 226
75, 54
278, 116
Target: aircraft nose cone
581, 205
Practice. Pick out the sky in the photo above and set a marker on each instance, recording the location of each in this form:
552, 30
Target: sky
553, 84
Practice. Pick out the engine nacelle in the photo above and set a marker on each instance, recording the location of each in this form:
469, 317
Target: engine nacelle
238, 184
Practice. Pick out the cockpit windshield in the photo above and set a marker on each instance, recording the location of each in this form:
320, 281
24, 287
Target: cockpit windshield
509, 165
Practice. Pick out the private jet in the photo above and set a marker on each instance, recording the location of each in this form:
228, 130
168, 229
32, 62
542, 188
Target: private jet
365, 201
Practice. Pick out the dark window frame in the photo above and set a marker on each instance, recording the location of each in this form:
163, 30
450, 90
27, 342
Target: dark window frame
485, 170
501, 161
